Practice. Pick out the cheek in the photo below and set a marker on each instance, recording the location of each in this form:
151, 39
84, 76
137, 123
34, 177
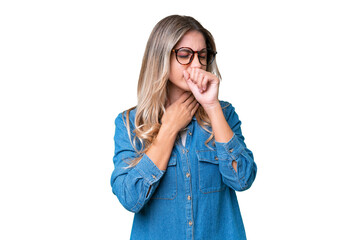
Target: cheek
176, 72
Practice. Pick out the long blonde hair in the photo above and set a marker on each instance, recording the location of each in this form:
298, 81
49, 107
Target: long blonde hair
153, 79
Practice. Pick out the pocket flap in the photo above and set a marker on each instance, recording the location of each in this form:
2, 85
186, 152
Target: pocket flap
172, 160
207, 155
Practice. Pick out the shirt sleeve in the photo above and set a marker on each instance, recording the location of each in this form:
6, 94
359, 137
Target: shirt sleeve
235, 150
132, 186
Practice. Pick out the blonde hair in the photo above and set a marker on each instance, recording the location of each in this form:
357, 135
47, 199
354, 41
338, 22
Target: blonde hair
153, 79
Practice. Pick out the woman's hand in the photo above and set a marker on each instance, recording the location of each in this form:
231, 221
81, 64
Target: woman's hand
178, 115
204, 85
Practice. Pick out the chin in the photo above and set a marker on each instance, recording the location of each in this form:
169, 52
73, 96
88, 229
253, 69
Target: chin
180, 85
185, 88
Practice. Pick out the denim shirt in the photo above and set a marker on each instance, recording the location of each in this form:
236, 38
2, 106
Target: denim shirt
195, 197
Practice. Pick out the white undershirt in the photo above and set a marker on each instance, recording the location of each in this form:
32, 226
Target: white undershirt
183, 137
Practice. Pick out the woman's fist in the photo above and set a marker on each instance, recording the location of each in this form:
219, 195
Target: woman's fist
204, 85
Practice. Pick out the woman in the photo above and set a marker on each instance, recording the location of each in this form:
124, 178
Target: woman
180, 154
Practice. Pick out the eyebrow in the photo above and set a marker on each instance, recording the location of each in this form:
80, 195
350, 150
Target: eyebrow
192, 49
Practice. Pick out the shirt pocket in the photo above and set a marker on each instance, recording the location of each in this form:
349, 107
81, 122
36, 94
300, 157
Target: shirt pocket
210, 179
167, 188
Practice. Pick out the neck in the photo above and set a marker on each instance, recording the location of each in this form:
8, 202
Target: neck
174, 93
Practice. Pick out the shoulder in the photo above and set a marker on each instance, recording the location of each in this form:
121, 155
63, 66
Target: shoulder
225, 104
126, 116
228, 110
227, 107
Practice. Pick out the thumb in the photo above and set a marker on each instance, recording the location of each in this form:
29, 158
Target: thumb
186, 75
191, 85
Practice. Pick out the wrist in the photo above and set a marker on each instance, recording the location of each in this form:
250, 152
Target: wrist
214, 112
168, 130
213, 107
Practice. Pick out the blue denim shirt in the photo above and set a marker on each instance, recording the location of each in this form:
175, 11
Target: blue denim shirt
195, 197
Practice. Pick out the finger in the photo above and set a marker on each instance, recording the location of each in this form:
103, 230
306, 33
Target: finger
204, 83
200, 82
186, 75
189, 100
193, 111
193, 75
197, 75
191, 85
192, 104
183, 97
194, 101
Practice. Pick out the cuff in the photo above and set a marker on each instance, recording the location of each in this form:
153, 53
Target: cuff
149, 170
233, 148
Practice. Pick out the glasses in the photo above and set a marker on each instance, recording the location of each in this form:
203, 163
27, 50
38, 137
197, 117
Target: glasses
185, 55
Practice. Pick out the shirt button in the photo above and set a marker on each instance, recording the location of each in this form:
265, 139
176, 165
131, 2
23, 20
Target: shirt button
216, 158
153, 176
231, 150
189, 198
190, 223
190, 133
183, 151
187, 174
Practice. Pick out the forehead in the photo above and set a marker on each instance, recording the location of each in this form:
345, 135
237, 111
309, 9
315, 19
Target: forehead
192, 39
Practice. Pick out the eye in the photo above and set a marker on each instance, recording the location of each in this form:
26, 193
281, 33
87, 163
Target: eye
203, 54
183, 53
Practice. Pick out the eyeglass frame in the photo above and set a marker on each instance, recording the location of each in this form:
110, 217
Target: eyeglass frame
193, 54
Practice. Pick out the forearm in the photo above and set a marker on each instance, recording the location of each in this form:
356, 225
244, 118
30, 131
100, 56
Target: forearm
160, 150
220, 127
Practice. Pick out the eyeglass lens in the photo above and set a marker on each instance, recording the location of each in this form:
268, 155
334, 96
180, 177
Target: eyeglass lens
186, 55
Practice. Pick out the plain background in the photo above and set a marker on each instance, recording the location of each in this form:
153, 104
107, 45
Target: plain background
290, 68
